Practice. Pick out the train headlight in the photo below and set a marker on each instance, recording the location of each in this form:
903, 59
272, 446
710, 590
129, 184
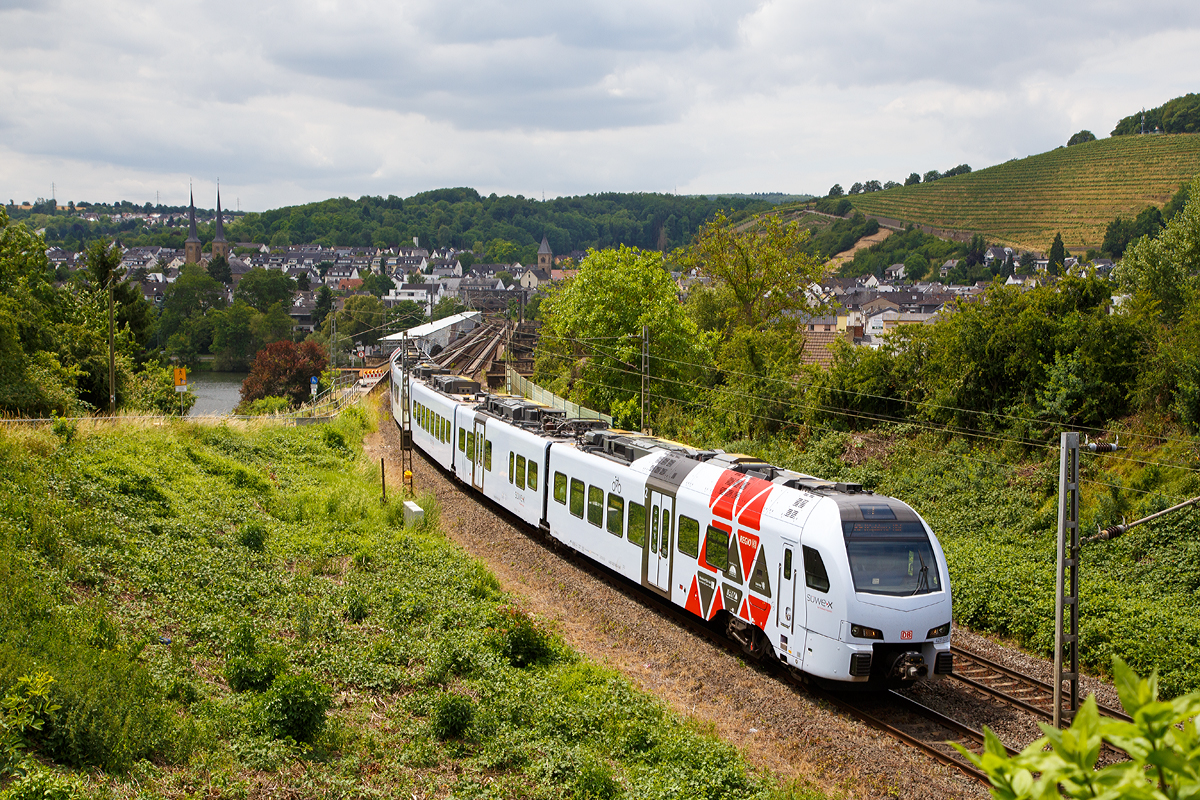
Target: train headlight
863, 632
938, 632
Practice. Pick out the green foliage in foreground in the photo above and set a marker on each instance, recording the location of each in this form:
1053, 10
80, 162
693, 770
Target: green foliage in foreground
1163, 744
205, 610
995, 513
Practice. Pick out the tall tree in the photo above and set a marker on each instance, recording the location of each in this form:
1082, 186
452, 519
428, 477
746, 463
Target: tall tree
1058, 256
263, 288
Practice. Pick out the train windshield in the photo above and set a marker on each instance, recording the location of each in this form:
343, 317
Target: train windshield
892, 558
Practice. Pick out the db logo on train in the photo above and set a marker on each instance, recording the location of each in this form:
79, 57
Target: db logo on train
906, 636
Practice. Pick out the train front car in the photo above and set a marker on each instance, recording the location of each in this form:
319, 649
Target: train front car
844, 585
871, 590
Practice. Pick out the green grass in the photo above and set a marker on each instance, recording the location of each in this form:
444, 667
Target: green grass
1073, 190
148, 572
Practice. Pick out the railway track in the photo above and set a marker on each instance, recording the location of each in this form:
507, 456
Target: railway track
1017, 689
900, 717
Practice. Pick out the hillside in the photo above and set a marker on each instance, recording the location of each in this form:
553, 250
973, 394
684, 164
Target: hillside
1073, 190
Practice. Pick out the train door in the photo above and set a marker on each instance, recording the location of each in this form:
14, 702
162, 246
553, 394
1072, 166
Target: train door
658, 561
478, 452
789, 618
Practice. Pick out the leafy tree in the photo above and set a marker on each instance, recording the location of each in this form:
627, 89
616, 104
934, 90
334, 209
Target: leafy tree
913, 178
1162, 743
446, 307
273, 325
872, 186
836, 190
1058, 256
283, 369
1081, 137
916, 267
130, 306
218, 268
377, 284
856, 188
263, 288
891, 185
502, 251
361, 319
506, 277
192, 294
234, 342
302, 282
932, 176
406, 314
961, 169
592, 333
324, 304
1164, 269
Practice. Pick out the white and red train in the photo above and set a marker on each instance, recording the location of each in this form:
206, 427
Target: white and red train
838, 583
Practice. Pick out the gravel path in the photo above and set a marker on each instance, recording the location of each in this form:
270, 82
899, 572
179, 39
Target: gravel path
780, 729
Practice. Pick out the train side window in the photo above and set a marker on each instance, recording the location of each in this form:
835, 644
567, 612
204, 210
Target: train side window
462, 439
637, 524
815, 576
689, 536
487, 454
616, 514
560, 488
666, 534
787, 564
716, 548
511, 461
520, 472
471, 445
596, 506
531, 478
577, 497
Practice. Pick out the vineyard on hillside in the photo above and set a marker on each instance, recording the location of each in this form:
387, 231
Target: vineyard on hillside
1073, 190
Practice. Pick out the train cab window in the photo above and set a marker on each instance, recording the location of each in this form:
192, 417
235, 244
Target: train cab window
487, 454
577, 497
520, 472
787, 564
462, 439
815, 576
511, 462
531, 477
689, 536
637, 524
595, 506
560, 488
616, 514
716, 548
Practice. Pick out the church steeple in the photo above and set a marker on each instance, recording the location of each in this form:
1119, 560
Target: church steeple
191, 247
220, 247
545, 255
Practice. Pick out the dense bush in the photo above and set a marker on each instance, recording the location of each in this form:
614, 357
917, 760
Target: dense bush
294, 706
452, 716
251, 665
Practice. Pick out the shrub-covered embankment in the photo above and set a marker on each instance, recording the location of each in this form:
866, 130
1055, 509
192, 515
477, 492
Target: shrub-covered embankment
191, 609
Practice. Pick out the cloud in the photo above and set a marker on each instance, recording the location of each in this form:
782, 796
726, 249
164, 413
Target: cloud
315, 98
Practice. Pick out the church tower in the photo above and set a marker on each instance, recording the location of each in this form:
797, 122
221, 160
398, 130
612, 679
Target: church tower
220, 247
545, 256
191, 247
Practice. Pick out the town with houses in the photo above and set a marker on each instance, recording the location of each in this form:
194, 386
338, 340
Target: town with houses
867, 308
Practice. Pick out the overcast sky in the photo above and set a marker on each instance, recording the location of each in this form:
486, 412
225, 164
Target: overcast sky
302, 100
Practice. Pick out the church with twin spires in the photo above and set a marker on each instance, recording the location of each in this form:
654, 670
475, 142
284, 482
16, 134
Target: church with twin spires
191, 246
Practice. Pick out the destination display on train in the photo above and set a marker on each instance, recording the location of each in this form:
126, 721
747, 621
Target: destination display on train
880, 528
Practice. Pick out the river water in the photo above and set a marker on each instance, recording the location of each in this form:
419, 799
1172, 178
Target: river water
216, 392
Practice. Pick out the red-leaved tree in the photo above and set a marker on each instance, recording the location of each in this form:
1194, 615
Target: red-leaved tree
284, 369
